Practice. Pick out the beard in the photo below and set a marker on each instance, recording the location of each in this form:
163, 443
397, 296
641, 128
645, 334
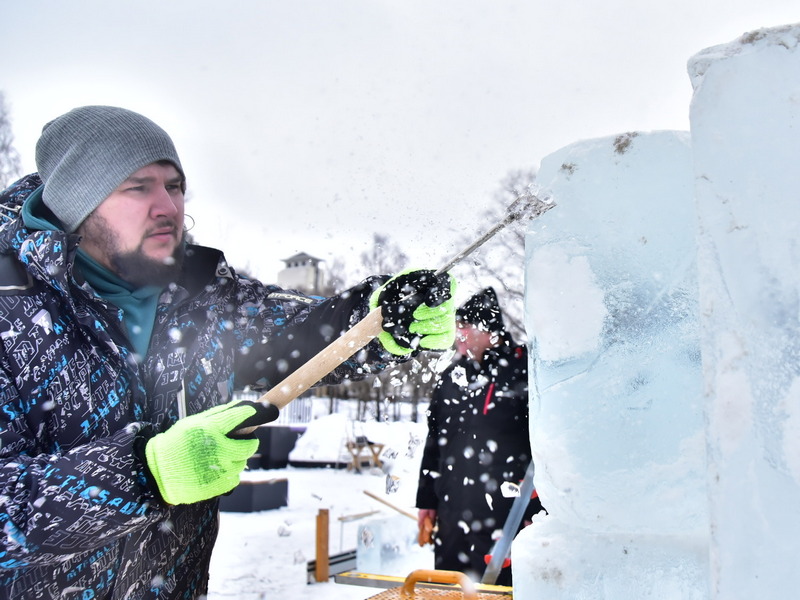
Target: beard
140, 270
134, 266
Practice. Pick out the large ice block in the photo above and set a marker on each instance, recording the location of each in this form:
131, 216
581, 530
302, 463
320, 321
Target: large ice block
745, 122
617, 425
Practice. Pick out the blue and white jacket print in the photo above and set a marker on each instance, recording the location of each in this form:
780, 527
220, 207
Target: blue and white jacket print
79, 518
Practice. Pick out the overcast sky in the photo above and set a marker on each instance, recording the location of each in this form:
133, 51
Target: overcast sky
308, 125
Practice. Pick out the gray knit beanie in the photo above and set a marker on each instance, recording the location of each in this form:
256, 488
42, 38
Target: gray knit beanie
86, 154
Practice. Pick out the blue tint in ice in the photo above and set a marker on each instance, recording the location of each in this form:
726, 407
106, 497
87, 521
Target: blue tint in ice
616, 409
663, 308
612, 311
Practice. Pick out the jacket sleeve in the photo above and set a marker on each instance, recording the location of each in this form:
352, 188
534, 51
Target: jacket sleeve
429, 467
54, 505
292, 328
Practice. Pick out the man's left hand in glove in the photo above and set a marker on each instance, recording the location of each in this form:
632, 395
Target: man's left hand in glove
419, 311
201, 456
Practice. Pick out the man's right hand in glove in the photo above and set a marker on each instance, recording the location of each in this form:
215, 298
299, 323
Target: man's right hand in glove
197, 458
419, 311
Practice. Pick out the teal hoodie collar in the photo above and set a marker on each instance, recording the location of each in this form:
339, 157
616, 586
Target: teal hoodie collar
138, 304
36, 215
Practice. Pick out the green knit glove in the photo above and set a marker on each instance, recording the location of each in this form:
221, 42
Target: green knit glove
196, 459
419, 311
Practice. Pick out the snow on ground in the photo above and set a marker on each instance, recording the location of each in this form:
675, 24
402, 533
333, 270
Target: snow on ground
265, 554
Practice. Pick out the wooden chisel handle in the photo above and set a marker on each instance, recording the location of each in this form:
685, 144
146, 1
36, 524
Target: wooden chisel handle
325, 361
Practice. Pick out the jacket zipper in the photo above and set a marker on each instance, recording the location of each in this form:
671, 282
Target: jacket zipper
181, 401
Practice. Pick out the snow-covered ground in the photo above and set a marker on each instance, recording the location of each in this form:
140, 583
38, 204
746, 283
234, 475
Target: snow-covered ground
265, 554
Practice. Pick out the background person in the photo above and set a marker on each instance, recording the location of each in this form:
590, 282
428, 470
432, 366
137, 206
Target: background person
477, 440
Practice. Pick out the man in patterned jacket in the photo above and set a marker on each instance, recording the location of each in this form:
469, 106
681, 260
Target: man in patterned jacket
121, 347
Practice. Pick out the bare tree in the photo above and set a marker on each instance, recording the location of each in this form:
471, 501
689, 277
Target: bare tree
500, 263
10, 164
335, 277
384, 257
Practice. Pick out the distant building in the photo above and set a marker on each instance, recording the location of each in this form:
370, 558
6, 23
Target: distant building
302, 273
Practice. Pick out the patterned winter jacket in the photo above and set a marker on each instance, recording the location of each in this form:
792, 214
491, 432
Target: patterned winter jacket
79, 517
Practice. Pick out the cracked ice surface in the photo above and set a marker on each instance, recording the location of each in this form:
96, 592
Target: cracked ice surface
616, 414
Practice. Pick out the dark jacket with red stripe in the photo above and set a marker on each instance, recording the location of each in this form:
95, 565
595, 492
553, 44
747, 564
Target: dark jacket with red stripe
477, 439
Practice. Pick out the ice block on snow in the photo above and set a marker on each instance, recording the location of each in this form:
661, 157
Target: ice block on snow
617, 426
745, 120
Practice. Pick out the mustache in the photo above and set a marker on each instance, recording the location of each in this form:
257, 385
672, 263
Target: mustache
163, 224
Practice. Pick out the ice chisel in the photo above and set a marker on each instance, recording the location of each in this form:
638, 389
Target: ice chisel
358, 336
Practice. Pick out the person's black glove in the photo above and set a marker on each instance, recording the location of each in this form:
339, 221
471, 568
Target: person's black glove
419, 311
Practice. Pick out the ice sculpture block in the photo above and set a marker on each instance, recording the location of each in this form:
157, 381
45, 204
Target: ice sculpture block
389, 546
617, 424
745, 123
